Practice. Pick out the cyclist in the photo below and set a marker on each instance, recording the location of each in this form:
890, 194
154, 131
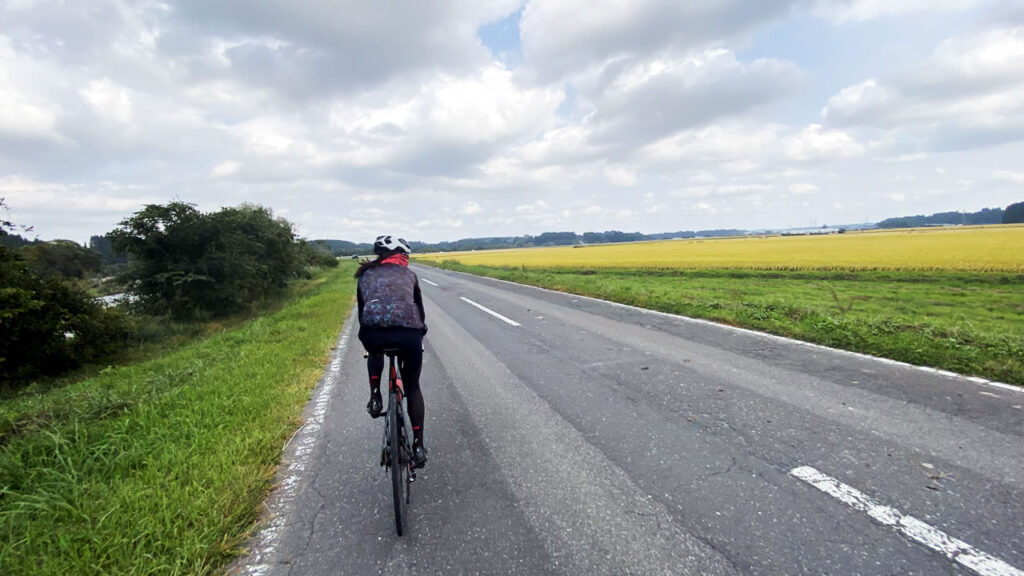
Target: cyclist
391, 316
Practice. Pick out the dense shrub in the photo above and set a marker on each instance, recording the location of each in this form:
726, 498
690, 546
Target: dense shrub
47, 325
317, 255
193, 265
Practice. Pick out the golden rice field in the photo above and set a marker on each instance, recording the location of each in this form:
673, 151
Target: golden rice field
975, 248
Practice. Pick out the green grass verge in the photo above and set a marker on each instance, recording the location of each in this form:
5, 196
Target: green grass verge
161, 467
969, 323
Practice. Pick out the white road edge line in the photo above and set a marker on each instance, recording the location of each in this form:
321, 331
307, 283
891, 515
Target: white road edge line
298, 454
975, 379
956, 550
491, 312
428, 282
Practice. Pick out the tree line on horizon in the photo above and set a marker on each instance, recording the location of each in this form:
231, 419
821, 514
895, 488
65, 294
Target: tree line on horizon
982, 217
345, 248
1013, 213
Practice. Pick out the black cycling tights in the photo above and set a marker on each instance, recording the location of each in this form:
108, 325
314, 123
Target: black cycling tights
410, 363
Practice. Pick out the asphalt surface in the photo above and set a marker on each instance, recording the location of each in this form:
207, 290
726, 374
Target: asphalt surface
590, 438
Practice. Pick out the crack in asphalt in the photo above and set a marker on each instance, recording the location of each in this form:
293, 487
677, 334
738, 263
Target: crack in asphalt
316, 516
717, 473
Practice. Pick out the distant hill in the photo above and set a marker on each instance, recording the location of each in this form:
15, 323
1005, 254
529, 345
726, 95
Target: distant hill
343, 247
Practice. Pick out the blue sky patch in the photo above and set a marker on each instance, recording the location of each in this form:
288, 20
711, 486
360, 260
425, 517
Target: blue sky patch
502, 39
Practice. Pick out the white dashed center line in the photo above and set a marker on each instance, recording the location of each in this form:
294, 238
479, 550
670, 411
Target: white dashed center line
428, 282
910, 527
491, 312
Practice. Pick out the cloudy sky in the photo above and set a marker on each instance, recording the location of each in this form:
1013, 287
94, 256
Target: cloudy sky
448, 119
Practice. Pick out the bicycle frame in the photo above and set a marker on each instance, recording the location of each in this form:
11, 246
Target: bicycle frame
396, 447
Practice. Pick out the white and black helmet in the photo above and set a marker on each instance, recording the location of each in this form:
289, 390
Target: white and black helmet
391, 244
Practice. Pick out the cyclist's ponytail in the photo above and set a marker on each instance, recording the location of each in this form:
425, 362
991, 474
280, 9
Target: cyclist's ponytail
367, 265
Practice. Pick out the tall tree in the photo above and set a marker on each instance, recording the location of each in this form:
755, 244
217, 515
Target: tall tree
164, 244
1014, 213
105, 248
194, 265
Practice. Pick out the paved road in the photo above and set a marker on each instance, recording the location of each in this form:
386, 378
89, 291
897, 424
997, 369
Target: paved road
571, 436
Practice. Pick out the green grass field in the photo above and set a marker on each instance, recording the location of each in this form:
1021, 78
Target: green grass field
967, 322
161, 467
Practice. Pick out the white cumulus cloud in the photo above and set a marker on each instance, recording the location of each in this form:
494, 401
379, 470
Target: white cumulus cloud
968, 93
818, 143
1009, 176
861, 10
803, 188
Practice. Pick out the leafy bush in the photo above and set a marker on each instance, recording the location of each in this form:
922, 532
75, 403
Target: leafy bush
193, 265
317, 255
49, 326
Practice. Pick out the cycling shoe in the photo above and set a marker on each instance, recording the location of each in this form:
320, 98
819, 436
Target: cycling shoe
375, 407
419, 455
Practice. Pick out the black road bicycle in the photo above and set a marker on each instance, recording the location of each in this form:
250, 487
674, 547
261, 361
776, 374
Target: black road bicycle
396, 446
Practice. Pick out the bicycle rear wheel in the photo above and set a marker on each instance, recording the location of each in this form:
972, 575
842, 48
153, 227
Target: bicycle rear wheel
399, 470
